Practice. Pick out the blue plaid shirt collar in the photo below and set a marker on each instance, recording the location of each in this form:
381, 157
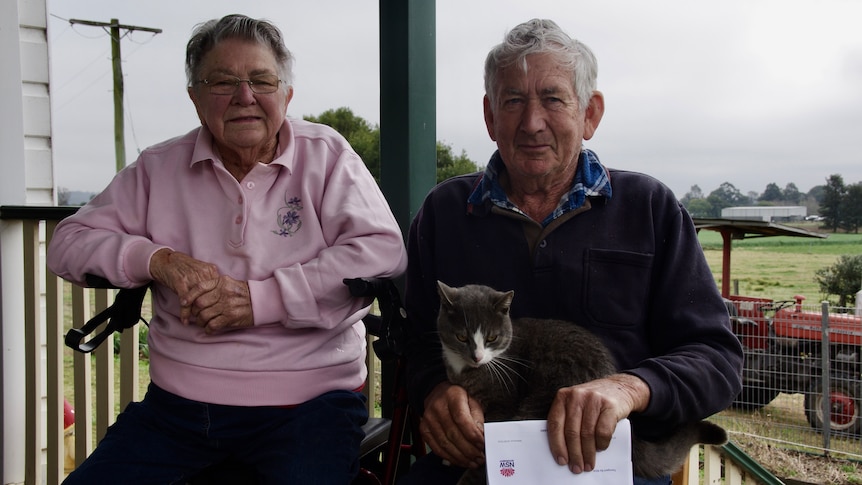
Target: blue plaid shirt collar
591, 180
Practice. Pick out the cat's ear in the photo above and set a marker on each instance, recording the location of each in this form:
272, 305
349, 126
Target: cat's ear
505, 302
446, 293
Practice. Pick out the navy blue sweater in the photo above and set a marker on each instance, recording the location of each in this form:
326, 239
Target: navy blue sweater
628, 268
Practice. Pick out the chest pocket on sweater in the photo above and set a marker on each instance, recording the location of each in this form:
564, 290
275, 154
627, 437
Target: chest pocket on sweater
617, 286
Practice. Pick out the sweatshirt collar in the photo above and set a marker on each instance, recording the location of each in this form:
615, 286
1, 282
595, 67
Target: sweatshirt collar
591, 180
205, 147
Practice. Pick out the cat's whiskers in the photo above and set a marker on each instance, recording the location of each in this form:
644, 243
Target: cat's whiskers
502, 369
499, 372
511, 362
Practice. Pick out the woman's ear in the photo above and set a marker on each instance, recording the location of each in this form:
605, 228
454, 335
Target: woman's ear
193, 95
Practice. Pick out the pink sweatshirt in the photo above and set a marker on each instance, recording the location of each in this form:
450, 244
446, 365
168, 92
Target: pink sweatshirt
293, 229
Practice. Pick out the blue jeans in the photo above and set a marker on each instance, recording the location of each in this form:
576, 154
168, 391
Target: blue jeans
166, 439
430, 470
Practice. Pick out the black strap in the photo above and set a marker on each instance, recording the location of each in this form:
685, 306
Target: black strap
389, 326
124, 313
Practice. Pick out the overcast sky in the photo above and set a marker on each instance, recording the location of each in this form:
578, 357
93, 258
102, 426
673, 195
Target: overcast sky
742, 91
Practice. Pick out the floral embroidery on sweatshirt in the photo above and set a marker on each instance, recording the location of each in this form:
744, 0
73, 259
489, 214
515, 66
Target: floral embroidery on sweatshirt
288, 219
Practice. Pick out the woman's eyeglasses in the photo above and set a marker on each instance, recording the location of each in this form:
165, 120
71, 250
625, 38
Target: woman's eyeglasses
228, 85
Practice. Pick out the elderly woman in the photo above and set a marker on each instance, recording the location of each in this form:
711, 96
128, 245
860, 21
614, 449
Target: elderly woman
245, 227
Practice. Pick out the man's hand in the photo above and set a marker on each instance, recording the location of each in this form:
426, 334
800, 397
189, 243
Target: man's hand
583, 418
452, 426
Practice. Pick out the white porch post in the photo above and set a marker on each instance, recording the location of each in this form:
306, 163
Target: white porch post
12, 191
27, 179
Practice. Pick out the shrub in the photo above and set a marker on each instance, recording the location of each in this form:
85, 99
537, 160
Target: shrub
843, 279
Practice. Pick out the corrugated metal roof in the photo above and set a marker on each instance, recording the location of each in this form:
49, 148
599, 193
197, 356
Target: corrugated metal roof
751, 228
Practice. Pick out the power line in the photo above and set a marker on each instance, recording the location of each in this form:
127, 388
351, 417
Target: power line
115, 33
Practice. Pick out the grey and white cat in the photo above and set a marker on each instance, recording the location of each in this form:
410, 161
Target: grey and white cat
514, 369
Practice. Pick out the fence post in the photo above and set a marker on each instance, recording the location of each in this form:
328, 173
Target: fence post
859, 303
826, 401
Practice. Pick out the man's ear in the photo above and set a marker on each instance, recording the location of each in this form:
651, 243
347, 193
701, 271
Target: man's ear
489, 117
593, 115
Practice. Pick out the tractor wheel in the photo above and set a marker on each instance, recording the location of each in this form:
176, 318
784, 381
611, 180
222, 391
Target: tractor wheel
844, 405
754, 398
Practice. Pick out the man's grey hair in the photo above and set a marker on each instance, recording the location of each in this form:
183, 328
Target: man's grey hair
541, 36
208, 34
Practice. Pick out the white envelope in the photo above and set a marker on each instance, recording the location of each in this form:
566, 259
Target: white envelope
517, 452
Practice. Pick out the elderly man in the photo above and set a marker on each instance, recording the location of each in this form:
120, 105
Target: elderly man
610, 250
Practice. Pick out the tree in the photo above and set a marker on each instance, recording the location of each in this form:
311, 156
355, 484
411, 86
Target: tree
851, 208
791, 194
693, 193
695, 203
701, 208
817, 193
726, 195
365, 140
843, 278
771, 194
813, 198
830, 206
63, 196
449, 165
367, 146
362, 136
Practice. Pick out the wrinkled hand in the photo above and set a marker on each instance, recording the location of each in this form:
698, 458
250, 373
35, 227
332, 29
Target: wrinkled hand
583, 418
180, 272
220, 304
452, 426
217, 302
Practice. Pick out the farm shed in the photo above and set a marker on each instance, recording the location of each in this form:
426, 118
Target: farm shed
766, 213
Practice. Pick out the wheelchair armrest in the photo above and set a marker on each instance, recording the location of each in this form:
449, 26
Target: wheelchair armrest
376, 435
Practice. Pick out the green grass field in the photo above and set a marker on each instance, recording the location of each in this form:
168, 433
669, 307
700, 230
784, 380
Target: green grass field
778, 267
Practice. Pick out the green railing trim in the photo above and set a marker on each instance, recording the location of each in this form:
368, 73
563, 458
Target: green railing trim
747, 463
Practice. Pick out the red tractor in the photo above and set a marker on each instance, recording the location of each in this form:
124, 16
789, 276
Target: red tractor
784, 353
784, 345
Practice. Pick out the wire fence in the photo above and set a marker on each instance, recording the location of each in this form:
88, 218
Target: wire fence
802, 364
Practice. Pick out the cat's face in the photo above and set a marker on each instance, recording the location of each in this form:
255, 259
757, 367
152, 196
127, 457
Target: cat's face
473, 325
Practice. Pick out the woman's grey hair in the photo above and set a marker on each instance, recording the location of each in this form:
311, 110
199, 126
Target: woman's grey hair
540, 36
211, 32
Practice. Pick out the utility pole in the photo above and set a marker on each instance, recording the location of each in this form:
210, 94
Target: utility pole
119, 120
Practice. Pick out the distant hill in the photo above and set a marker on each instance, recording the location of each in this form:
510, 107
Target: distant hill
77, 197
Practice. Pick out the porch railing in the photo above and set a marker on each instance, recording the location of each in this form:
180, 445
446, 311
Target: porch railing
727, 465
93, 394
